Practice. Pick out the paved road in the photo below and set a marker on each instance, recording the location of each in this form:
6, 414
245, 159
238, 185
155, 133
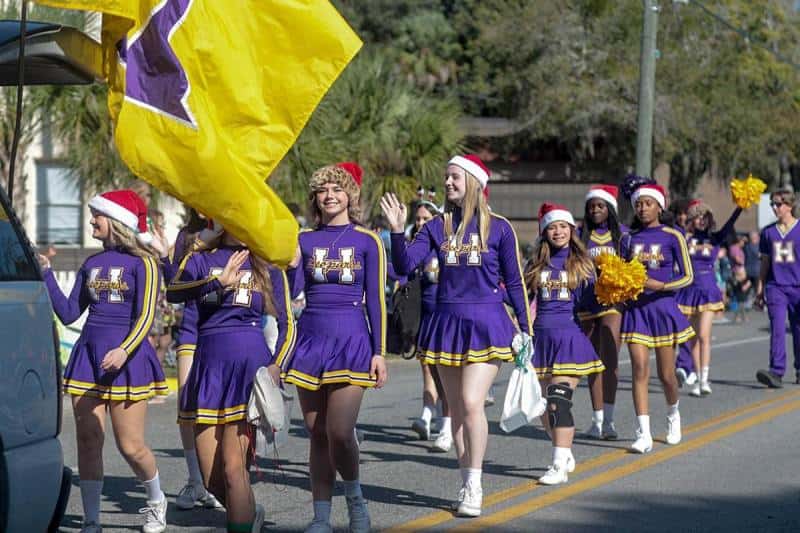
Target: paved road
735, 470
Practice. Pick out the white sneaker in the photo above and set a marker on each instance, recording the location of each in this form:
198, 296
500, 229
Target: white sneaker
422, 428
258, 519
319, 527
155, 516
674, 429
643, 442
443, 443
91, 527
705, 388
191, 495
595, 431
695, 390
462, 493
691, 379
556, 474
471, 504
610, 430
681, 375
489, 397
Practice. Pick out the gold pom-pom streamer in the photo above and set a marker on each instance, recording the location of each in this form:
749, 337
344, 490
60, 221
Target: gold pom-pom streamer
619, 280
748, 191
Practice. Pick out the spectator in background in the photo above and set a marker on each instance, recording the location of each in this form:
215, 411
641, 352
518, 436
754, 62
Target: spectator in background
740, 288
752, 262
736, 253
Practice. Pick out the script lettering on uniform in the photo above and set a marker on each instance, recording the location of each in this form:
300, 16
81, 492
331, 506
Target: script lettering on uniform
704, 246
652, 258
346, 265
548, 286
472, 249
114, 284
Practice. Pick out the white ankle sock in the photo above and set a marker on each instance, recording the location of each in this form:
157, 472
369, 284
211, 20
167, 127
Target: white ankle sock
608, 412
597, 417
560, 456
427, 413
446, 427
704, 374
322, 511
91, 490
193, 466
153, 488
644, 424
352, 488
474, 476
672, 410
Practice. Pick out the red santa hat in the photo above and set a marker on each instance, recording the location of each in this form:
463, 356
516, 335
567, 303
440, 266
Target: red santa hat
549, 213
126, 207
609, 193
472, 164
652, 190
352, 168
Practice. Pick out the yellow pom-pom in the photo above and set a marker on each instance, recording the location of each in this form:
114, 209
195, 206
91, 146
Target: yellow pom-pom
748, 191
619, 280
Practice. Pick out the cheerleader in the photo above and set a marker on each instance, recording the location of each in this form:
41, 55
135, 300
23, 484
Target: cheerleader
601, 234
560, 277
653, 320
193, 493
469, 332
238, 289
779, 287
112, 366
703, 298
340, 349
432, 384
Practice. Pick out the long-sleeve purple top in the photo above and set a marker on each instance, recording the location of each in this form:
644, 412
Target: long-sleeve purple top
601, 241
704, 245
344, 267
120, 290
240, 307
557, 304
663, 252
468, 275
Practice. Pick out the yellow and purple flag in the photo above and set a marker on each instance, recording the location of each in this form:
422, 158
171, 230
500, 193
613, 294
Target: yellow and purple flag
208, 95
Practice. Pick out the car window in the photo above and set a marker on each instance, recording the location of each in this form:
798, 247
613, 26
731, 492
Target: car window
16, 258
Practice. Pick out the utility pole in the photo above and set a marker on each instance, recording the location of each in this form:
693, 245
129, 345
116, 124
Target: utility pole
647, 85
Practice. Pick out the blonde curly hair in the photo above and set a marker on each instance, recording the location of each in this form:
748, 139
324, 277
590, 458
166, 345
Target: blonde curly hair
338, 176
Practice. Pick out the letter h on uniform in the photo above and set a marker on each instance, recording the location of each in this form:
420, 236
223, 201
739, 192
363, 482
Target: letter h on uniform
784, 252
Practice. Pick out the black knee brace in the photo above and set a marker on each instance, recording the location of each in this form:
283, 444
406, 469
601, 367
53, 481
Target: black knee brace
559, 405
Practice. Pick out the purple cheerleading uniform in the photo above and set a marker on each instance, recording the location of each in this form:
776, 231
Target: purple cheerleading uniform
560, 347
230, 341
782, 292
120, 290
654, 319
343, 274
704, 293
469, 322
600, 242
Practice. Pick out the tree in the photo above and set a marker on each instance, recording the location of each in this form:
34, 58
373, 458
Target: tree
399, 135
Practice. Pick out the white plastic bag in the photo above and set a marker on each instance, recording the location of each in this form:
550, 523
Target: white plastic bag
268, 409
523, 402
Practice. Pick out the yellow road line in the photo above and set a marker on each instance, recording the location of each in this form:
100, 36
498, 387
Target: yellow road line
439, 517
646, 461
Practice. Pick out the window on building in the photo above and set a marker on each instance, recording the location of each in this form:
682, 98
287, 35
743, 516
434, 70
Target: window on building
58, 206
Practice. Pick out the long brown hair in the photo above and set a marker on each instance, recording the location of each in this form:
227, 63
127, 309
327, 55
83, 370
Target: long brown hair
260, 268
579, 264
474, 203
121, 236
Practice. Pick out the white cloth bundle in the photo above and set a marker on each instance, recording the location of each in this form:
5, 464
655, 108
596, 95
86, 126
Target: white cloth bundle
268, 409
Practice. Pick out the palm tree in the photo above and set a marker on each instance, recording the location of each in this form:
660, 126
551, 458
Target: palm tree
401, 136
